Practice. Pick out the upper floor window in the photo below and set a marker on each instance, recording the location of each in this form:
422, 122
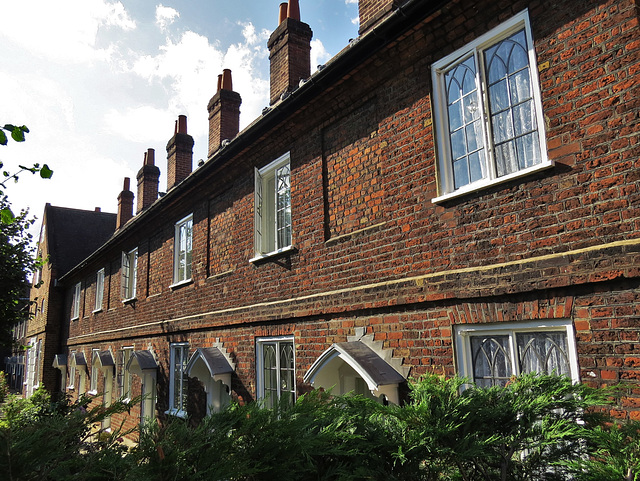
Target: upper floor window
488, 110
178, 381
75, 303
489, 354
99, 290
182, 250
129, 274
276, 370
273, 207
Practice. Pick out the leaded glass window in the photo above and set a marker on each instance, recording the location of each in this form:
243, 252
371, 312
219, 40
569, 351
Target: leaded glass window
505, 351
277, 375
183, 250
488, 108
273, 230
178, 379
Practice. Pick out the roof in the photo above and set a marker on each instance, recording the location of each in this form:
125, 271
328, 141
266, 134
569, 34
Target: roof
214, 360
73, 234
364, 360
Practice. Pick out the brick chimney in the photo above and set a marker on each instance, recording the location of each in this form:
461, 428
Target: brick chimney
289, 51
371, 12
179, 154
125, 204
224, 113
148, 180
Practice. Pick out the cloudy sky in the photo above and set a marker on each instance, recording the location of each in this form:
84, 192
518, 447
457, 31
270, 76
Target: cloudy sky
98, 82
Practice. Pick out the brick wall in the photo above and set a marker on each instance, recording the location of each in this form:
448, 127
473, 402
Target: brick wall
373, 251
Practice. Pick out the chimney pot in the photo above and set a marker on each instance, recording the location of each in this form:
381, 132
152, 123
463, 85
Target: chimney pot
294, 10
283, 12
127, 184
182, 124
226, 80
150, 157
219, 83
98, 209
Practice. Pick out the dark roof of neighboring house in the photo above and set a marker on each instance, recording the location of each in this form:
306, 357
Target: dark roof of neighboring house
73, 234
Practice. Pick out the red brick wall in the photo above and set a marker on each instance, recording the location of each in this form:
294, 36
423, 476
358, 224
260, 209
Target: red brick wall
372, 250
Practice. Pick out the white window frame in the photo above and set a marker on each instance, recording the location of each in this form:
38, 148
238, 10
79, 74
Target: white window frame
179, 409
124, 377
446, 188
279, 342
267, 241
72, 372
95, 371
99, 290
75, 302
182, 251
129, 274
464, 332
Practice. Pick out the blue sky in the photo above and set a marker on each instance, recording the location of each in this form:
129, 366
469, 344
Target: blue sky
99, 82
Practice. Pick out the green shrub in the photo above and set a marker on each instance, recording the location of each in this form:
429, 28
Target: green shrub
535, 428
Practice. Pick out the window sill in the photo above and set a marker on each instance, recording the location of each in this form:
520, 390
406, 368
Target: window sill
131, 300
93, 392
269, 255
181, 283
176, 413
485, 184
75, 318
95, 311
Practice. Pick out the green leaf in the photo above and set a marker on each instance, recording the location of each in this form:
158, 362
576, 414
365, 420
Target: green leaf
17, 134
3, 138
46, 172
7, 216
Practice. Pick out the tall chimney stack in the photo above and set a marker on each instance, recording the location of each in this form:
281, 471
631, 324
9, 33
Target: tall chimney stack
125, 204
224, 113
289, 51
148, 181
179, 154
371, 12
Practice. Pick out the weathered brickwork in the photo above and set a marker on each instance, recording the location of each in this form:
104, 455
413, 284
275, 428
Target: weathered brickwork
369, 247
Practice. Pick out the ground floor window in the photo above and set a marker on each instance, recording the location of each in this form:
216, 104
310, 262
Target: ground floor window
178, 379
489, 354
276, 370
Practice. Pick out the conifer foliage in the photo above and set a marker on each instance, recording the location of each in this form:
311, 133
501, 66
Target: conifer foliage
535, 428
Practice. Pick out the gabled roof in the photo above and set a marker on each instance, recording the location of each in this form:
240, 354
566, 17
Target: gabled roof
142, 361
73, 234
364, 360
214, 360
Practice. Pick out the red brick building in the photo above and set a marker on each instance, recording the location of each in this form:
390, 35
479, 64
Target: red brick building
457, 191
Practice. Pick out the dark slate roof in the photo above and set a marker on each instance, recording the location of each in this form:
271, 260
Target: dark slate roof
214, 360
144, 359
74, 234
376, 367
106, 359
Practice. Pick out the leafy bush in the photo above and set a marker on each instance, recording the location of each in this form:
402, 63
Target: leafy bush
41, 439
535, 428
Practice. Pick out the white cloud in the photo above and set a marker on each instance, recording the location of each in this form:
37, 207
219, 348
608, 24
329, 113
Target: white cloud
189, 69
165, 16
62, 31
319, 54
144, 124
